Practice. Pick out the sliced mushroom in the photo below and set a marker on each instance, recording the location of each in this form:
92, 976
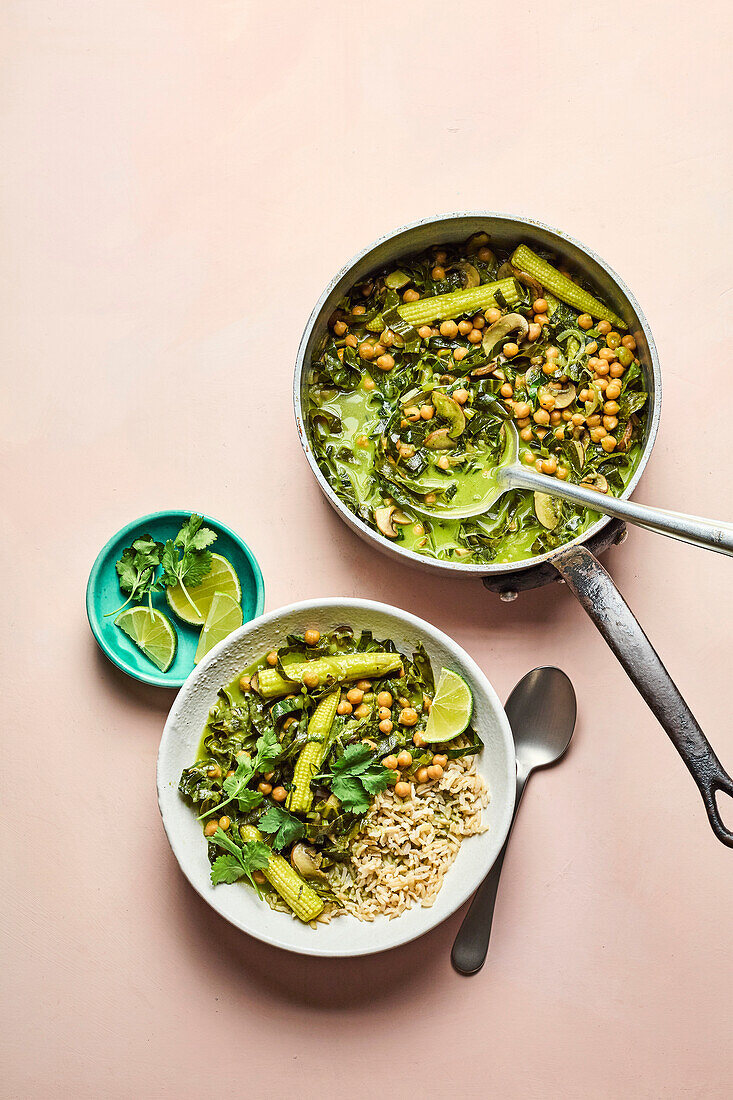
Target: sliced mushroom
469, 274
306, 861
564, 396
439, 440
478, 240
580, 451
595, 481
401, 518
383, 520
509, 271
548, 510
625, 439
450, 410
498, 332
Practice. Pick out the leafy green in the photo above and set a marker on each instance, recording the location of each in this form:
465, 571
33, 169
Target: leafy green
284, 826
244, 859
357, 776
136, 569
186, 559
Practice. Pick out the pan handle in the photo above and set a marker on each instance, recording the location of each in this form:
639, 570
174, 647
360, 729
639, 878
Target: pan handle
589, 581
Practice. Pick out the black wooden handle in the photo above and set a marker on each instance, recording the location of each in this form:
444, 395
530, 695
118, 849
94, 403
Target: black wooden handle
589, 581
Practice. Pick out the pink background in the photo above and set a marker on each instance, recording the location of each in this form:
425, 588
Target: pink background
183, 179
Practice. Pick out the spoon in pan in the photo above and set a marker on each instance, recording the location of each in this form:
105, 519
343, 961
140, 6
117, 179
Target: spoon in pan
479, 493
541, 711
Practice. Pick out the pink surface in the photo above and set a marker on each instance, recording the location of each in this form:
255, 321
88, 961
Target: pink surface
183, 179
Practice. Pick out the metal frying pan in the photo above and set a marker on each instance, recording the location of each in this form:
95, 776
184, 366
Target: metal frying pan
576, 562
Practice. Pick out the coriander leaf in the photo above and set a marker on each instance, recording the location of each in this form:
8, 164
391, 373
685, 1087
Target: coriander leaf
269, 750
351, 794
169, 561
235, 786
285, 826
254, 856
136, 568
378, 779
223, 840
247, 800
226, 869
192, 536
196, 564
355, 759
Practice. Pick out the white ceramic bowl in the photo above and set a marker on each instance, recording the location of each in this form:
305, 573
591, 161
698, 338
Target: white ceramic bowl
239, 904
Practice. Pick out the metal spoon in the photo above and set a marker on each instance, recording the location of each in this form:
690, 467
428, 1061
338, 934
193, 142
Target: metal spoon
541, 711
510, 474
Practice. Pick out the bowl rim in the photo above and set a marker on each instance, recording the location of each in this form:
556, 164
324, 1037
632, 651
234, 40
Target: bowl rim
155, 677
461, 890
399, 553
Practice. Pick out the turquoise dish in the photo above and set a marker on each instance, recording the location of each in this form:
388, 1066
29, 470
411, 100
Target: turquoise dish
104, 596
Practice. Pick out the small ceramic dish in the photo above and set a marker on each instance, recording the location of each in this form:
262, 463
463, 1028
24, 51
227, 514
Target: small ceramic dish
104, 596
238, 903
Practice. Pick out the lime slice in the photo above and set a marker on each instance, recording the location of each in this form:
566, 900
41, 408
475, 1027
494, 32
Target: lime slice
451, 710
152, 632
224, 616
220, 578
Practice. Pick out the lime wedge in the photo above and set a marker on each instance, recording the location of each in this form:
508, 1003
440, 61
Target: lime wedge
451, 710
224, 616
220, 578
152, 632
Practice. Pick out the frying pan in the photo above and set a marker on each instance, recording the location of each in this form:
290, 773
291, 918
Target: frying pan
576, 563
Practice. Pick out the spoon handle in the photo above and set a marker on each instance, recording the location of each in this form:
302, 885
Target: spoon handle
472, 942
711, 534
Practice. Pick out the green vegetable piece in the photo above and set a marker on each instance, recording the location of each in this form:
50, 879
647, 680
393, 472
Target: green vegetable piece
562, 287
396, 280
443, 307
311, 756
357, 776
449, 409
349, 666
304, 901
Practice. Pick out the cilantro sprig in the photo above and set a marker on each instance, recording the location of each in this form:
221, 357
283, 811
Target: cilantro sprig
267, 752
282, 825
240, 861
357, 776
186, 559
136, 570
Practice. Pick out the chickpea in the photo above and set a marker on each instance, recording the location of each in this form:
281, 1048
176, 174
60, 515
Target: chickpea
272, 658
613, 339
245, 683
610, 422
567, 414
355, 695
492, 315
430, 498
264, 788
224, 823
525, 423
441, 759
385, 726
464, 327
259, 877
603, 327
547, 401
310, 679
542, 417
427, 703
418, 740
562, 472
344, 707
340, 328
404, 759
585, 395
444, 462
427, 412
484, 254
585, 321
418, 529
617, 369
555, 417
550, 369
384, 712
385, 362
601, 383
214, 772
359, 310
609, 443
402, 789
230, 773
362, 710
410, 296
607, 354
459, 354
210, 828
475, 336
390, 762
438, 273
527, 456
384, 699
506, 390
597, 434
526, 435
602, 368
629, 342
461, 396
591, 348
387, 338
366, 350
522, 410
435, 771
312, 637
449, 329
479, 321
549, 466
613, 390
540, 305
421, 775
625, 357
368, 383
533, 332
351, 341
425, 332
611, 408
593, 421
403, 701
279, 794
510, 350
